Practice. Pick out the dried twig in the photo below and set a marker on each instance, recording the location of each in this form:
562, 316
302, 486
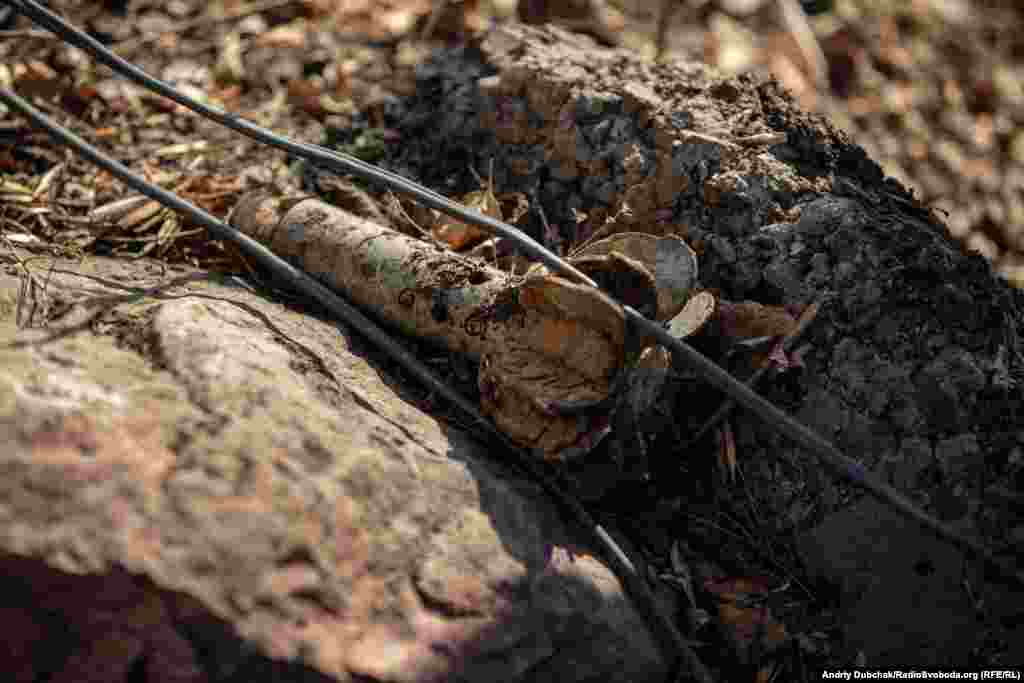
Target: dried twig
103, 304
28, 33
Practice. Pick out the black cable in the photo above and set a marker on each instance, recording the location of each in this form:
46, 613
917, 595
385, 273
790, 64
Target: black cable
839, 465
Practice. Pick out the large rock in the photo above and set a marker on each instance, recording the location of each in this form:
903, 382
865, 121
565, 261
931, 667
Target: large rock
202, 484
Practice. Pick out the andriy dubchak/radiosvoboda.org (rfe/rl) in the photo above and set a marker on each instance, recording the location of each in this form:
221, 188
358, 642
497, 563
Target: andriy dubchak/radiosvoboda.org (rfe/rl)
895, 675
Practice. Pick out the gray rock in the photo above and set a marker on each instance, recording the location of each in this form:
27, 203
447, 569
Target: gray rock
220, 451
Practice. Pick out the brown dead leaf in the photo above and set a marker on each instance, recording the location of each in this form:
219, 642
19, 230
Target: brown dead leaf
514, 205
292, 36
668, 259
695, 315
380, 19
625, 279
515, 388
556, 297
567, 349
459, 235
771, 350
743, 615
305, 93
35, 79
752, 320
140, 216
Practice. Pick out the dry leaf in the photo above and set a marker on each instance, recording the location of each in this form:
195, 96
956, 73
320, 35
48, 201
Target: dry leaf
695, 315
140, 215
460, 235
22, 238
569, 350
668, 259
35, 78
286, 36
751, 320
744, 616
514, 205
625, 279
